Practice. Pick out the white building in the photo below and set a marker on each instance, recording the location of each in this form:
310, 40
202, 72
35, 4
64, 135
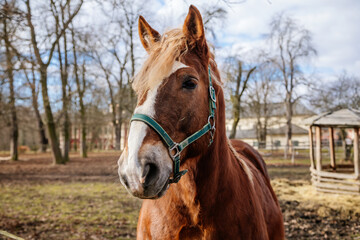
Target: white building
276, 129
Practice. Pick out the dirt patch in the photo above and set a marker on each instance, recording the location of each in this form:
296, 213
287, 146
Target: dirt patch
84, 200
305, 223
97, 167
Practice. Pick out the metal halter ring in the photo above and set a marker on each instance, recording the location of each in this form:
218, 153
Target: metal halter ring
212, 93
213, 121
177, 151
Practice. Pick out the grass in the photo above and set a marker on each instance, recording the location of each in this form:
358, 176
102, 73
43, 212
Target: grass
104, 210
289, 172
293, 184
70, 210
281, 161
304, 193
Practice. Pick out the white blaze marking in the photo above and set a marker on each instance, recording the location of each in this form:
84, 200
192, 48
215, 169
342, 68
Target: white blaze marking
138, 129
177, 65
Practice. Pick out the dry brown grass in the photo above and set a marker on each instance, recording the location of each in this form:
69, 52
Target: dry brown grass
303, 192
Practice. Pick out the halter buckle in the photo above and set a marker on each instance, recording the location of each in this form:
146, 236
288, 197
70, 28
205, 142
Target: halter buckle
212, 93
212, 129
176, 177
176, 149
211, 118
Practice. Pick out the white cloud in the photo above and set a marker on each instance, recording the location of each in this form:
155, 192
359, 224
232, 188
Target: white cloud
334, 25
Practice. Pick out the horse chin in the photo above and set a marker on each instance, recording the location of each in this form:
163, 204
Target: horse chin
163, 190
158, 195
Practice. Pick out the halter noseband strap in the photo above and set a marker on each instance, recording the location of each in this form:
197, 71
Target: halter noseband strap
175, 149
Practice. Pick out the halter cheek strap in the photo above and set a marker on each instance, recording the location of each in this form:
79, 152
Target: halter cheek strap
175, 148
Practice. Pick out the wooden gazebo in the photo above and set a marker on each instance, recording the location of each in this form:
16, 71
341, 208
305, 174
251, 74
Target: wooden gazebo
332, 177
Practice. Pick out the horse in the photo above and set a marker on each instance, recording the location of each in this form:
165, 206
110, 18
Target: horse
195, 182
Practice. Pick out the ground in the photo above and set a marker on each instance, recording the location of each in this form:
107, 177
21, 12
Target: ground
84, 200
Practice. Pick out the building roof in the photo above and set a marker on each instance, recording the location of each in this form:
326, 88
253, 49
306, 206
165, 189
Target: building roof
246, 134
282, 130
277, 110
342, 118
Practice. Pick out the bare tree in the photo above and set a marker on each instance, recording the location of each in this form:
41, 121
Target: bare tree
213, 15
259, 96
129, 24
33, 83
238, 79
59, 16
344, 92
9, 12
115, 55
80, 88
43, 66
106, 69
121, 95
292, 44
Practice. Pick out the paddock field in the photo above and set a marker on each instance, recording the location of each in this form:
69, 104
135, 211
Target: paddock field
84, 200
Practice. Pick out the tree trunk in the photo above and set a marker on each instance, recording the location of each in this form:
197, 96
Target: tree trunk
14, 155
83, 150
54, 142
57, 157
262, 136
236, 97
264, 133
288, 146
66, 132
260, 129
35, 105
43, 140
14, 135
65, 100
132, 59
236, 118
80, 90
83, 146
117, 135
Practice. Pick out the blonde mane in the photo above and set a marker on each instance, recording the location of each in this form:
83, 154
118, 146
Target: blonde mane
162, 56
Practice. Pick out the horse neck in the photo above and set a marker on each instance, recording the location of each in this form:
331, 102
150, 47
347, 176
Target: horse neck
218, 165
222, 180
217, 179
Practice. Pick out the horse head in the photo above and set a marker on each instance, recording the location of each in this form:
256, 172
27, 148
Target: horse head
173, 90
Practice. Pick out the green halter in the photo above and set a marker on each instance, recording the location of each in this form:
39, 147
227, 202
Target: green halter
176, 148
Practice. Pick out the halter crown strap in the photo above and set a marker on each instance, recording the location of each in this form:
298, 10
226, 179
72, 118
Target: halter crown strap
176, 148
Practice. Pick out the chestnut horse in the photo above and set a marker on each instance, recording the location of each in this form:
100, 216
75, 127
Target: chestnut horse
226, 192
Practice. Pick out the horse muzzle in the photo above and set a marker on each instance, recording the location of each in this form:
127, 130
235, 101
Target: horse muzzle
146, 174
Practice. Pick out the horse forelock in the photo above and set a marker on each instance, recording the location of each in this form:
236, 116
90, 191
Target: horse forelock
159, 64
163, 55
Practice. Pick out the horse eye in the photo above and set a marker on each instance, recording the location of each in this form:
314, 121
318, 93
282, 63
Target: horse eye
189, 84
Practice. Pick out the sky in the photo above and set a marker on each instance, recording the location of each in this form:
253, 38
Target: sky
333, 24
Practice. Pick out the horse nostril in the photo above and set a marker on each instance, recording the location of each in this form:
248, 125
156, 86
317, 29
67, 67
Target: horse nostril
150, 173
125, 181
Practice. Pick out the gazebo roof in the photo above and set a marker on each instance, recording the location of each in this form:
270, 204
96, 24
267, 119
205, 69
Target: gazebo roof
343, 117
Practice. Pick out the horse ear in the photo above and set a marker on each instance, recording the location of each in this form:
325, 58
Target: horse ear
193, 28
148, 35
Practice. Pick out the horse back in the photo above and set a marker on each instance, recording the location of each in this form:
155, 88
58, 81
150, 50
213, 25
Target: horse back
271, 209
251, 155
